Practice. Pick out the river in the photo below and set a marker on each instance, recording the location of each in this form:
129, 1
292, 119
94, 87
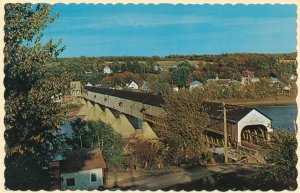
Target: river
282, 115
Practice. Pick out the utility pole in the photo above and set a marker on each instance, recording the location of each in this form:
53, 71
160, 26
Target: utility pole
225, 135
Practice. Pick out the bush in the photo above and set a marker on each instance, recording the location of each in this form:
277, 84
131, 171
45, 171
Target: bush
143, 152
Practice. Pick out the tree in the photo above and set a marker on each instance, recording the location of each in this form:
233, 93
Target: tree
263, 88
32, 118
181, 73
281, 161
142, 151
182, 126
99, 134
158, 85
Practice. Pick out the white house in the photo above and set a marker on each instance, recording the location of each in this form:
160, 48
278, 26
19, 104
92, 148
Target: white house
88, 72
107, 70
293, 77
175, 87
133, 85
274, 80
82, 169
157, 67
287, 87
88, 84
144, 86
195, 84
249, 79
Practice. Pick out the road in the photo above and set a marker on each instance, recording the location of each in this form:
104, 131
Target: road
184, 176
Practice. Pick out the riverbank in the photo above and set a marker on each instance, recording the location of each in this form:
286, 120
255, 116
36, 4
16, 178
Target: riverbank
265, 101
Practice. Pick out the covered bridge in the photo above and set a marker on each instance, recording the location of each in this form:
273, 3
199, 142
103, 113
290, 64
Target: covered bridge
244, 124
129, 111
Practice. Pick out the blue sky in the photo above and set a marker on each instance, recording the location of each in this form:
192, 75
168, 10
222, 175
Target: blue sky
147, 30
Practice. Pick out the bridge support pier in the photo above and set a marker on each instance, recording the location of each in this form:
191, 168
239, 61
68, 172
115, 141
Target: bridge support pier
123, 126
148, 132
85, 109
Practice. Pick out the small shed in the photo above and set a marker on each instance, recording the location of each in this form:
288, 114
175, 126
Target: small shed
195, 84
82, 169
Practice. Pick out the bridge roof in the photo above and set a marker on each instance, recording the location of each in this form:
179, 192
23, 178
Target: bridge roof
234, 112
145, 98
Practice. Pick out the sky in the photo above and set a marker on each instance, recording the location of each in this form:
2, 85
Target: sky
164, 29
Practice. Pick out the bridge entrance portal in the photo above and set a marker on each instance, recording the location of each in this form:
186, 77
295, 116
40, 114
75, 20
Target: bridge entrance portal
254, 135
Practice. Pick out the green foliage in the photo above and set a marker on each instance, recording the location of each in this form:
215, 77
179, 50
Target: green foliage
31, 118
181, 73
159, 84
99, 134
71, 106
281, 159
263, 88
182, 127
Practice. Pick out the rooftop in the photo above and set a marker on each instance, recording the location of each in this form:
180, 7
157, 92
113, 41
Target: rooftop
82, 159
145, 98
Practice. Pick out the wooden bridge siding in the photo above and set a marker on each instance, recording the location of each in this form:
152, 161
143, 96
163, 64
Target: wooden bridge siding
130, 107
218, 126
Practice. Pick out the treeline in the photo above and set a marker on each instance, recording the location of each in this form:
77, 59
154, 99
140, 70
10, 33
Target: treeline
205, 57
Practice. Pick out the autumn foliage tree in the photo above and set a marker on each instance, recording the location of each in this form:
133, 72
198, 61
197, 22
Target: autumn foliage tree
32, 118
181, 128
280, 171
144, 152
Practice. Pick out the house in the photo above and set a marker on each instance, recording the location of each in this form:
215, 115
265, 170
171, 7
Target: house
88, 72
133, 85
107, 70
287, 87
88, 84
254, 79
274, 80
218, 80
144, 86
195, 84
248, 73
157, 68
81, 169
174, 87
293, 77
249, 79
75, 88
